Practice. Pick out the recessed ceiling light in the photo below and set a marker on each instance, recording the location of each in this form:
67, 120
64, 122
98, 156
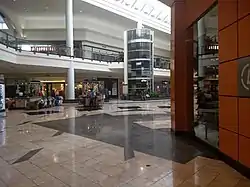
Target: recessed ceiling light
80, 11
46, 7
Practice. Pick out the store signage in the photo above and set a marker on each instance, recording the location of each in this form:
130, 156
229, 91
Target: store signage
244, 77
43, 48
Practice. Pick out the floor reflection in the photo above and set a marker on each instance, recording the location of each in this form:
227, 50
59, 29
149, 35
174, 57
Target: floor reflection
43, 112
124, 132
76, 148
2, 131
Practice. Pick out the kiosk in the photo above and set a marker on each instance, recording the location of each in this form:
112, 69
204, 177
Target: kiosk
92, 95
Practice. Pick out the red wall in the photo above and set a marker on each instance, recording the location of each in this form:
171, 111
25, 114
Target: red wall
234, 111
184, 13
195, 8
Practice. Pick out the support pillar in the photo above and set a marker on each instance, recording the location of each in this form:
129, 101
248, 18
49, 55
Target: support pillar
70, 44
125, 65
181, 71
139, 25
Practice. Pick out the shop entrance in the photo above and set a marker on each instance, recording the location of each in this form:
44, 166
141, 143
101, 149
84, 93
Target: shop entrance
53, 88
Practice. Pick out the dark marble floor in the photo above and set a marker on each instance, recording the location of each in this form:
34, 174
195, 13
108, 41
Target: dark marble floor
43, 112
125, 147
123, 132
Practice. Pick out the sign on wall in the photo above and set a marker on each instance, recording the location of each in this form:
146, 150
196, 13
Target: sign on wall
244, 77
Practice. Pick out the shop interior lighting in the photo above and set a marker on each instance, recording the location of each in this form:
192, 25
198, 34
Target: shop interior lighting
153, 13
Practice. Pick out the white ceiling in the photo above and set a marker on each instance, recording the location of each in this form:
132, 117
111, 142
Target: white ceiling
33, 17
158, 13
52, 8
13, 70
25, 7
152, 13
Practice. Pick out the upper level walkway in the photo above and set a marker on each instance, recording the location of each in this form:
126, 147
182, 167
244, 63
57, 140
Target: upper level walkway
89, 58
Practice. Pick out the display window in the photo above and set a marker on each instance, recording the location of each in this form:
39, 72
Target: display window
206, 104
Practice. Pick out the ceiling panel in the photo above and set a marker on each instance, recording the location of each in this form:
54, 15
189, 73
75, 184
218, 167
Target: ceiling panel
152, 13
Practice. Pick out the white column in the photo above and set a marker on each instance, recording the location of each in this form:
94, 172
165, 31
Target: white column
125, 65
152, 61
70, 43
128, 147
139, 24
2, 131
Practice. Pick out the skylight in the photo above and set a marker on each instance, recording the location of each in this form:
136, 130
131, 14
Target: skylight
3, 25
152, 13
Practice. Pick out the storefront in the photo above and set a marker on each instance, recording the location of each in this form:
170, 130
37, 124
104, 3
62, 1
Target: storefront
206, 71
111, 85
53, 88
210, 92
162, 88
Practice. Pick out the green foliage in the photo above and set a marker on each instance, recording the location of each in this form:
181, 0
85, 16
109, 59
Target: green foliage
154, 94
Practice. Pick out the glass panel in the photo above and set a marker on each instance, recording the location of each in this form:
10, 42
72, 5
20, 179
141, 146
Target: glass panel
139, 34
3, 38
139, 54
206, 80
12, 41
139, 46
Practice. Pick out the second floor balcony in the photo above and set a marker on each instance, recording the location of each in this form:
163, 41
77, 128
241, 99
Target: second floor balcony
80, 51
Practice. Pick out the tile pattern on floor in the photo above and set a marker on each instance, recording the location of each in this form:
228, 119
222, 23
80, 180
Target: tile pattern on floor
58, 133
27, 156
122, 131
71, 160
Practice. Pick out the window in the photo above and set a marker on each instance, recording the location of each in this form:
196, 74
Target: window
3, 25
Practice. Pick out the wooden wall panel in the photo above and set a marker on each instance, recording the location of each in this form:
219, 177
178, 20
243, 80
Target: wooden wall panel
181, 87
224, 17
195, 8
234, 139
229, 143
244, 36
243, 8
234, 37
228, 85
228, 53
244, 117
228, 113
244, 151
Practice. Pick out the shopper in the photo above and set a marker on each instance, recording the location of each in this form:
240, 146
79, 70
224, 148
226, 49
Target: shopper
92, 98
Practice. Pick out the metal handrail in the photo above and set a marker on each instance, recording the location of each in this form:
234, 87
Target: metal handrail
210, 47
93, 53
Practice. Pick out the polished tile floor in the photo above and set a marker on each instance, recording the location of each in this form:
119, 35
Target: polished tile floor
124, 145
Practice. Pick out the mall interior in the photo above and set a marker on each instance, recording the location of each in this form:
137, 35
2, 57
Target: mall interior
124, 93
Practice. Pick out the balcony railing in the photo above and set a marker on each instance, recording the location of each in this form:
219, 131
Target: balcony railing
210, 47
84, 52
